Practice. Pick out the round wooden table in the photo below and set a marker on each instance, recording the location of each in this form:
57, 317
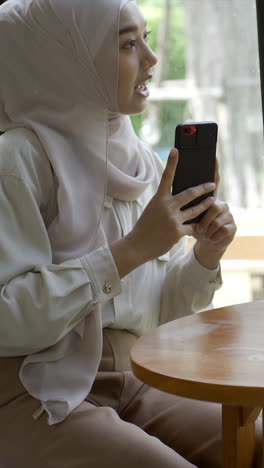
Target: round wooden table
216, 355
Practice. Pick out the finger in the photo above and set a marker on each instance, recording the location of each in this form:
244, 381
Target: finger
183, 198
225, 234
168, 174
196, 210
216, 209
220, 223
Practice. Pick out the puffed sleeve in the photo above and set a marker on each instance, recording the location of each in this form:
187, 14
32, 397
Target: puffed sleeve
41, 302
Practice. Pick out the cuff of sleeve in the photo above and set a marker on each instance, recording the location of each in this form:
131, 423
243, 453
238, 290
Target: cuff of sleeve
202, 274
101, 269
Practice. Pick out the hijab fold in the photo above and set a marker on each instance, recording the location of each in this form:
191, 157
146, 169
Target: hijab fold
65, 56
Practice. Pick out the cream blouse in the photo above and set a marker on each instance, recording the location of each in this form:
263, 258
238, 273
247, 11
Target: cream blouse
41, 302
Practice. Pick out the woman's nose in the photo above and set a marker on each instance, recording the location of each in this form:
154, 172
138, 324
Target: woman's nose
150, 58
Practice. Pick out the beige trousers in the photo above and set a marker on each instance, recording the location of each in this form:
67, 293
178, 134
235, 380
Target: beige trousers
121, 424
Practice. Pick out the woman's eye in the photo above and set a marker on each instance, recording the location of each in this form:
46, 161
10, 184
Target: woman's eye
146, 35
130, 44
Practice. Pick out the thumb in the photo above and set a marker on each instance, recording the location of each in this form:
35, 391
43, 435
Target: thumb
168, 174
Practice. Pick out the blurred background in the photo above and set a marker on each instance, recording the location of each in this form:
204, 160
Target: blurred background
208, 69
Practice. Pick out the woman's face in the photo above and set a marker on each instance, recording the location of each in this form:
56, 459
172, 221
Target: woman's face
136, 60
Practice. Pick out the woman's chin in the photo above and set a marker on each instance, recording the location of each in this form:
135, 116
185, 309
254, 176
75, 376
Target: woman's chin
133, 110
136, 105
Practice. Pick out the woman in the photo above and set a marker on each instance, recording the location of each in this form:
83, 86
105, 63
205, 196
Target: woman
92, 246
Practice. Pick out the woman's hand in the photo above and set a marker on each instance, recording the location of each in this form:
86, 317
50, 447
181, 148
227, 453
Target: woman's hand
161, 224
214, 233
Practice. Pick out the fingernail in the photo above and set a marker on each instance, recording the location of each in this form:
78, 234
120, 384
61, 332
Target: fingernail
210, 185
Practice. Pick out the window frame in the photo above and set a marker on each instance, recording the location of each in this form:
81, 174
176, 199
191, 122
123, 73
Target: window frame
260, 25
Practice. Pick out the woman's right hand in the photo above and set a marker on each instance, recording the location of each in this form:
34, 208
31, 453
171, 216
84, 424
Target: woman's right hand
161, 224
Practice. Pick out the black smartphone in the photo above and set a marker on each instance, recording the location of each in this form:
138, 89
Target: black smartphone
196, 143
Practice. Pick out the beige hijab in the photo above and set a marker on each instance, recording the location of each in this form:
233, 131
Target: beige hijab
59, 77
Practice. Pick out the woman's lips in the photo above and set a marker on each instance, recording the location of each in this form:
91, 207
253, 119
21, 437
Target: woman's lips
142, 90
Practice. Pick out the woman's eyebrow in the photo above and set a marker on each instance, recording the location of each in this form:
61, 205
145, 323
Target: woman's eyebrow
130, 28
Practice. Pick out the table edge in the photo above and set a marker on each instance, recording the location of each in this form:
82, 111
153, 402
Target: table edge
204, 391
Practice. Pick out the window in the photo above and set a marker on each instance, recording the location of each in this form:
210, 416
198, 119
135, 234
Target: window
209, 69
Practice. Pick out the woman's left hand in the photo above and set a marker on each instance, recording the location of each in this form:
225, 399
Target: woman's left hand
214, 233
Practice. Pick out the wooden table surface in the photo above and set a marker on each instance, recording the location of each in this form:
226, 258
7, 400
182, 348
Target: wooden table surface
216, 355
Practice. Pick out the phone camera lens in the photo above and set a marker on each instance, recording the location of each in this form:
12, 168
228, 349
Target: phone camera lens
189, 130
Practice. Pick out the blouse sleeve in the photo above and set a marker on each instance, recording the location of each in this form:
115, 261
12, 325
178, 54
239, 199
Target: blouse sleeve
188, 286
41, 302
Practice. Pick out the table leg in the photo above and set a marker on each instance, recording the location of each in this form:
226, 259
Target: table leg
238, 432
